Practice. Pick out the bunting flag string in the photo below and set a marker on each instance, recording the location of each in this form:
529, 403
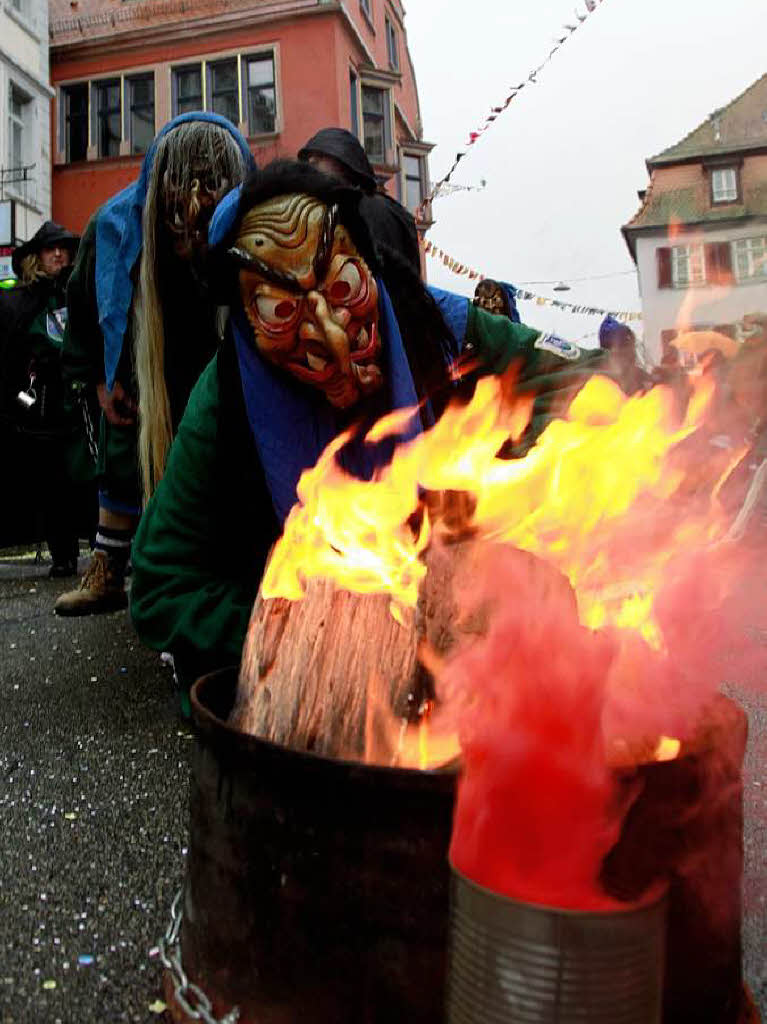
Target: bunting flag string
449, 189
462, 270
565, 33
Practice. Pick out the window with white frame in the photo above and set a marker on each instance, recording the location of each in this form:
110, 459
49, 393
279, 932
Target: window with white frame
19, 112
724, 185
140, 112
688, 265
750, 258
223, 89
107, 97
392, 45
376, 123
74, 100
252, 100
412, 171
260, 93
187, 89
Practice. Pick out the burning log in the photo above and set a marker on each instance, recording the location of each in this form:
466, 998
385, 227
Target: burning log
340, 673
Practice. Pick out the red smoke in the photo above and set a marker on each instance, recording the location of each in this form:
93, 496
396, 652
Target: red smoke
540, 700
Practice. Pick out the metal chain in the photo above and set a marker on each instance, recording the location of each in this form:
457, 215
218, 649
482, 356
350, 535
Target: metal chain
169, 950
90, 437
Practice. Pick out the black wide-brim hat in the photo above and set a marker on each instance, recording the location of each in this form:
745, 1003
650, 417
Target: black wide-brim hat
48, 236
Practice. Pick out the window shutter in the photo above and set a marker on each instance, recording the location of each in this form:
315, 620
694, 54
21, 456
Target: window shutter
718, 263
712, 262
664, 267
724, 259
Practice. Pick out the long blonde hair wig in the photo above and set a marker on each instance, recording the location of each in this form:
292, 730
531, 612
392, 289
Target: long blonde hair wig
179, 156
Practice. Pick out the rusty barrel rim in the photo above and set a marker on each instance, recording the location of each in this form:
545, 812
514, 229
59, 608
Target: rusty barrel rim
219, 690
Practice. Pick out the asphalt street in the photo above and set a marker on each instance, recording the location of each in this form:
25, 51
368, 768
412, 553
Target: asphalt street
93, 808
93, 813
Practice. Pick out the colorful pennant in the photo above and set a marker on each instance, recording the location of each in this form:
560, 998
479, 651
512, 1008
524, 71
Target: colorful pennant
514, 91
456, 267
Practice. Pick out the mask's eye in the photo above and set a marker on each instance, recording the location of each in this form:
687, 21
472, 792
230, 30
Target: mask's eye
276, 311
349, 287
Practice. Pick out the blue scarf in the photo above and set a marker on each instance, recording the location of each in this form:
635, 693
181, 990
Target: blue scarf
511, 295
293, 424
119, 240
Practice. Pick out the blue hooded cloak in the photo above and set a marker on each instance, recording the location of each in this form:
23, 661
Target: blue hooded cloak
119, 241
292, 424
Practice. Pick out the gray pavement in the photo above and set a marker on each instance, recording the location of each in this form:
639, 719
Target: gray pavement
93, 811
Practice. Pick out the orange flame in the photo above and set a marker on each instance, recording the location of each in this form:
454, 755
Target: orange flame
567, 501
668, 749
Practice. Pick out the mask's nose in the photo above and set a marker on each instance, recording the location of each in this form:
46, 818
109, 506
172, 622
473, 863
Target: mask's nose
335, 337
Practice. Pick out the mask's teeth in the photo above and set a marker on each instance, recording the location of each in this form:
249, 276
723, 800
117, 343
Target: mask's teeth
315, 362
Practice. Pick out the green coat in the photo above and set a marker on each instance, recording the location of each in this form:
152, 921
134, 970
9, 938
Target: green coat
204, 537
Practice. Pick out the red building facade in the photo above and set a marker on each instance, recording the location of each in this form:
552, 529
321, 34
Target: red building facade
280, 69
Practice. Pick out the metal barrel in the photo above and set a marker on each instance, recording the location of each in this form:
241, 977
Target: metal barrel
516, 963
316, 890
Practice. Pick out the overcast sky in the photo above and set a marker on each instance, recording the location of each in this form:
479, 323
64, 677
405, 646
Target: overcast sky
564, 162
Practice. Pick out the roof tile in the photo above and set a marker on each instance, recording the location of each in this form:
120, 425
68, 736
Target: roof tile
741, 125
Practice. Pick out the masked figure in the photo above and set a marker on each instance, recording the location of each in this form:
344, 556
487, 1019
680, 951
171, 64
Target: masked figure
142, 325
497, 297
310, 297
340, 154
324, 334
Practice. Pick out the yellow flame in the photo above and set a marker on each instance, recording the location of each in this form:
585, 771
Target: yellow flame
585, 498
668, 749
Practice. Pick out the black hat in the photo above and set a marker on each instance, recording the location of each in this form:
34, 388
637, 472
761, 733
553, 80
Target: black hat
347, 149
50, 235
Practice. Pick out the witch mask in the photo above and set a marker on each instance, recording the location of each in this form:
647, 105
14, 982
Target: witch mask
489, 296
310, 297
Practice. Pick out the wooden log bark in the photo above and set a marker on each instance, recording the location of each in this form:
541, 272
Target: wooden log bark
325, 673
336, 673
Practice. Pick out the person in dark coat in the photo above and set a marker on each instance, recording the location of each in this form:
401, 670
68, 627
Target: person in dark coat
619, 341
39, 432
337, 152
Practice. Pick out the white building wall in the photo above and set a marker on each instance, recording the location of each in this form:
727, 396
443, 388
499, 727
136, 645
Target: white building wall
24, 68
699, 305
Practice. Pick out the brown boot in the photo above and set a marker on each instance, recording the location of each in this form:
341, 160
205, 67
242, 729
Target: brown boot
101, 590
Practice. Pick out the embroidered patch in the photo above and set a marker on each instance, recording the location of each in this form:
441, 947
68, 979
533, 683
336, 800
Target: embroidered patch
560, 347
55, 323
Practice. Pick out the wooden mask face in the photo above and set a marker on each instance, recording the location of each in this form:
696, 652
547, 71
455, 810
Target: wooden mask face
310, 297
489, 296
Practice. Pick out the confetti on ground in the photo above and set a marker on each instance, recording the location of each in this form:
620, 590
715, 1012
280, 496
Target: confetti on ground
85, 959
50, 983
158, 1006
70, 815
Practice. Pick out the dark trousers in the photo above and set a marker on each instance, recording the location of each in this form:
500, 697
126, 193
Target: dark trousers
63, 510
